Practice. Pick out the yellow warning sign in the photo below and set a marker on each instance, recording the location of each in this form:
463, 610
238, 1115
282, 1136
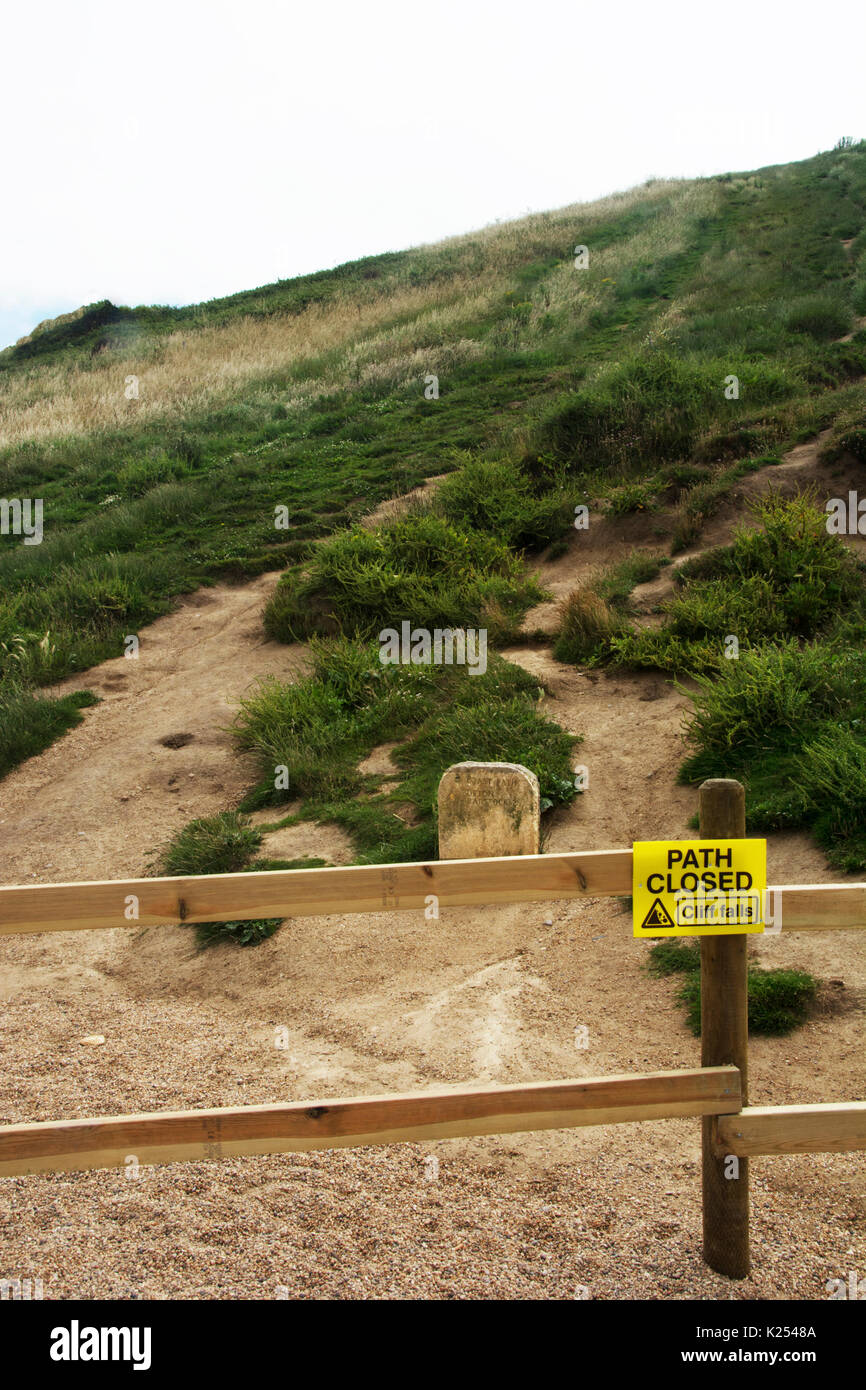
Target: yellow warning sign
698, 887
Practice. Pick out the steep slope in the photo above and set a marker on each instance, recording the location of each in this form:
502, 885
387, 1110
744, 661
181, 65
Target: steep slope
162, 450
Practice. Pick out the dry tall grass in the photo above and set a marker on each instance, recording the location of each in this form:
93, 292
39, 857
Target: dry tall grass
197, 370
386, 332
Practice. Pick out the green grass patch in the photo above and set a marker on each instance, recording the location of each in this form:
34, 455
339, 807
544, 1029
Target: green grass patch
631, 497
674, 958
820, 316
587, 628
310, 736
220, 844
225, 844
420, 568
30, 723
779, 1000
249, 933
790, 722
616, 584
496, 497
649, 410
787, 578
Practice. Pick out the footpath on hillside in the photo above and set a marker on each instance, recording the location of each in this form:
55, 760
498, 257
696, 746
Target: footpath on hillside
375, 1003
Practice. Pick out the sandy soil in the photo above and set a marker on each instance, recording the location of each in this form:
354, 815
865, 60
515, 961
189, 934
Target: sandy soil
383, 1003
111, 790
394, 507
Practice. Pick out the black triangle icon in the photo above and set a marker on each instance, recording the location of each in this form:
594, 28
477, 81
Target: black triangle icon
658, 916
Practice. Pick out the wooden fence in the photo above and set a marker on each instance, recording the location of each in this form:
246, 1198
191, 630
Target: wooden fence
716, 1091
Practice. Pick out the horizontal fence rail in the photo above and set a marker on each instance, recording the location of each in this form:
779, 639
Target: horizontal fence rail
314, 892
146, 902
794, 1129
63, 1145
820, 906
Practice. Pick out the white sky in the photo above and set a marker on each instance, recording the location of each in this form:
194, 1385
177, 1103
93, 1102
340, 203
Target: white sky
174, 151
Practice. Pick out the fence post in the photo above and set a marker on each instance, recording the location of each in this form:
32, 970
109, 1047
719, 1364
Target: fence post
488, 809
724, 1040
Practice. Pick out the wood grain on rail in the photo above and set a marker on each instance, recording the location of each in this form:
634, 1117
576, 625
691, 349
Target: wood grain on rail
329, 1124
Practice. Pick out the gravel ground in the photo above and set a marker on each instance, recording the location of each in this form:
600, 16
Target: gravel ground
602, 1213
381, 1223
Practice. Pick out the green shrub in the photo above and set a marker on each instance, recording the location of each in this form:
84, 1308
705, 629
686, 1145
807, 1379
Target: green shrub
813, 572
645, 410
848, 437
221, 844
420, 568
557, 549
771, 699
586, 628
751, 609
779, 1001
657, 649
510, 731
737, 442
682, 475
695, 509
836, 793
631, 497
648, 410
248, 933
791, 722
819, 316
787, 578
498, 499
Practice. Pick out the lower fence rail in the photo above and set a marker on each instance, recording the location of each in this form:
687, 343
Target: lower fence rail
794, 1129
64, 1145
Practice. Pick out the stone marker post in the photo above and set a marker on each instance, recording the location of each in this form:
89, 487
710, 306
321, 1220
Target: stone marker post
488, 809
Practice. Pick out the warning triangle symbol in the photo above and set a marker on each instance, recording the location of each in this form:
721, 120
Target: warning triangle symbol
658, 916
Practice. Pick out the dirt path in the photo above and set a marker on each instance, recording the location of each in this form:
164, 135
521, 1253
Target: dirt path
382, 1003
97, 802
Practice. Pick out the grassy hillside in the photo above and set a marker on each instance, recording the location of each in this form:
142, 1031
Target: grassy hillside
167, 443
